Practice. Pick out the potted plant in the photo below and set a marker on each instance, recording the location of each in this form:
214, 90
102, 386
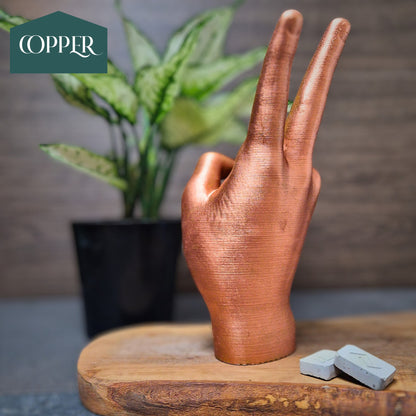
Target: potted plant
173, 100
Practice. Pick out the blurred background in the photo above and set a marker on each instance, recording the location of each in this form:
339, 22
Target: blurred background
360, 251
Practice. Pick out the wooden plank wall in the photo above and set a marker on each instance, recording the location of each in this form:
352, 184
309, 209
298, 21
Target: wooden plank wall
363, 232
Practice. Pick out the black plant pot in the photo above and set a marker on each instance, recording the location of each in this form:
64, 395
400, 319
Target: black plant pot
127, 271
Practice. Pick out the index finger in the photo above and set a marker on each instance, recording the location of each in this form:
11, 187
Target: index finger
303, 121
270, 103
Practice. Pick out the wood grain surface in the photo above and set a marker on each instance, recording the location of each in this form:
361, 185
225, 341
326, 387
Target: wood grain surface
363, 232
171, 370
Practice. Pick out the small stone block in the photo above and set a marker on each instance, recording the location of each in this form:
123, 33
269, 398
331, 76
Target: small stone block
364, 367
320, 365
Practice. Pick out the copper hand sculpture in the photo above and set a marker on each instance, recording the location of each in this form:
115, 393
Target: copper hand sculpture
244, 222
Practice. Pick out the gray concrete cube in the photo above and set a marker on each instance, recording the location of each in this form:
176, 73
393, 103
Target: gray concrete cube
320, 365
364, 367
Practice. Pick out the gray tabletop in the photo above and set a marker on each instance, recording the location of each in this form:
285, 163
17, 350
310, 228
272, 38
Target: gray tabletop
40, 340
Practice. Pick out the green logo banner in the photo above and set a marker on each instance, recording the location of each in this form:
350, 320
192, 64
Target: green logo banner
58, 43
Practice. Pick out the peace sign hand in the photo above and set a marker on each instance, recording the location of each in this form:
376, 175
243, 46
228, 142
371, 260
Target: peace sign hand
242, 237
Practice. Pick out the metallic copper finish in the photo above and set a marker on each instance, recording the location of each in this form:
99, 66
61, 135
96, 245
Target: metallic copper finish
242, 238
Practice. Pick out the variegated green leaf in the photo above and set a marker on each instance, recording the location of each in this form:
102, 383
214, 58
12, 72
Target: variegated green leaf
230, 131
244, 109
193, 122
7, 22
212, 37
114, 71
142, 51
185, 124
75, 93
114, 89
158, 87
211, 40
85, 161
202, 80
233, 103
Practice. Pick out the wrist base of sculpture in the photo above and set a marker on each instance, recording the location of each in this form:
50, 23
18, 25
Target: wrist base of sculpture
255, 339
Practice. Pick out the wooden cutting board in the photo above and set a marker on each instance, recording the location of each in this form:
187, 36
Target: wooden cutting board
171, 370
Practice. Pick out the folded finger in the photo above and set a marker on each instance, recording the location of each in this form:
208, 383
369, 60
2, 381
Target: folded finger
211, 169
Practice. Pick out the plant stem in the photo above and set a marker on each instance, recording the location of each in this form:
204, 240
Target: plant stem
114, 153
141, 191
150, 183
129, 196
160, 187
126, 156
171, 162
136, 137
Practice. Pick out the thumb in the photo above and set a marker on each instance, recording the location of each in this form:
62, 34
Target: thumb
210, 170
